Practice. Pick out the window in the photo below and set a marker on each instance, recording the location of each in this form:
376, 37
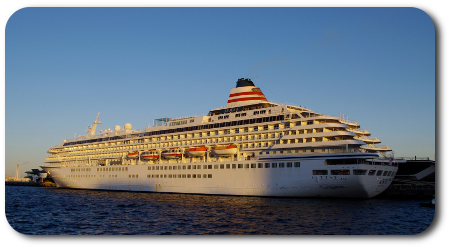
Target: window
359, 172
228, 166
204, 175
210, 166
233, 166
216, 166
320, 172
340, 172
194, 175
372, 172
379, 173
189, 167
297, 164
385, 173
205, 166
281, 165
209, 175
274, 165
289, 164
240, 166
260, 165
184, 167
266, 165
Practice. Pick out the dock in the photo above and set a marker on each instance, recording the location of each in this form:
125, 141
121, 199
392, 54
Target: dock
410, 189
33, 184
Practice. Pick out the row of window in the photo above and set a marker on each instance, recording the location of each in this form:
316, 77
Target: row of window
355, 172
187, 129
225, 166
80, 169
296, 151
189, 167
179, 176
112, 169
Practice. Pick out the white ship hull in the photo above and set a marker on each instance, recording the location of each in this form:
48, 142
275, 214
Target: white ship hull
281, 182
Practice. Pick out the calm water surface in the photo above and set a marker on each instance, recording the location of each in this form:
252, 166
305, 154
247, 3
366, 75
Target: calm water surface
53, 211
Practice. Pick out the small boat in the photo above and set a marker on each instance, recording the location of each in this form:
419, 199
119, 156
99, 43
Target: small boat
196, 151
134, 154
172, 154
151, 155
225, 150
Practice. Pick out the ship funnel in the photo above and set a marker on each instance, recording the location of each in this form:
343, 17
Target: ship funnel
245, 93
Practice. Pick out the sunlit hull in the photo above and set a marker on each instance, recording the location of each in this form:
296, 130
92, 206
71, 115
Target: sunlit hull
283, 182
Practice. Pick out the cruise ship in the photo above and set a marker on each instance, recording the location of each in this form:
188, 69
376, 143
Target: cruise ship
250, 147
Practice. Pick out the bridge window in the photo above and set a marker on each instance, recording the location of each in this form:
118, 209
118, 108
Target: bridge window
340, 172
320, 172
359, 172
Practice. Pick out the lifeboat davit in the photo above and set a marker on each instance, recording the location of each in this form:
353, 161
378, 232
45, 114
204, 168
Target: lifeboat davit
133, 154
150, 155
197, 151
225, 150
172, 154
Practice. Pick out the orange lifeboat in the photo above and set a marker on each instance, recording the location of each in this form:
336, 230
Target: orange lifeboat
152, 155
197, 151
172, 154
225, 150
134, 154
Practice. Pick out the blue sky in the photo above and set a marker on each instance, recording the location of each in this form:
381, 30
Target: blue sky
63, 65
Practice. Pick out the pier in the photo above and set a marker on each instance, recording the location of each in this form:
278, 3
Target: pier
33, 184
409, 189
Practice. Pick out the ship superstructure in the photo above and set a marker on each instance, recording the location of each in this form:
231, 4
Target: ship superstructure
249, 147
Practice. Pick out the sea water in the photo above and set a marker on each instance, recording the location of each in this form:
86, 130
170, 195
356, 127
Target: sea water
54, 211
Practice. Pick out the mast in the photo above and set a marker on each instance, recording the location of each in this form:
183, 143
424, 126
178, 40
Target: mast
91, 129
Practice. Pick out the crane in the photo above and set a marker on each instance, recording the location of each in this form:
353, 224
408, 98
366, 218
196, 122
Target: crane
17, 170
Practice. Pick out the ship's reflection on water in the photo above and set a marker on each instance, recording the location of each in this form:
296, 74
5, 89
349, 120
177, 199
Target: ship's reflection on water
66, 211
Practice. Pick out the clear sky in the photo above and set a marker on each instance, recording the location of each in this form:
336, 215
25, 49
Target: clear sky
63, 65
